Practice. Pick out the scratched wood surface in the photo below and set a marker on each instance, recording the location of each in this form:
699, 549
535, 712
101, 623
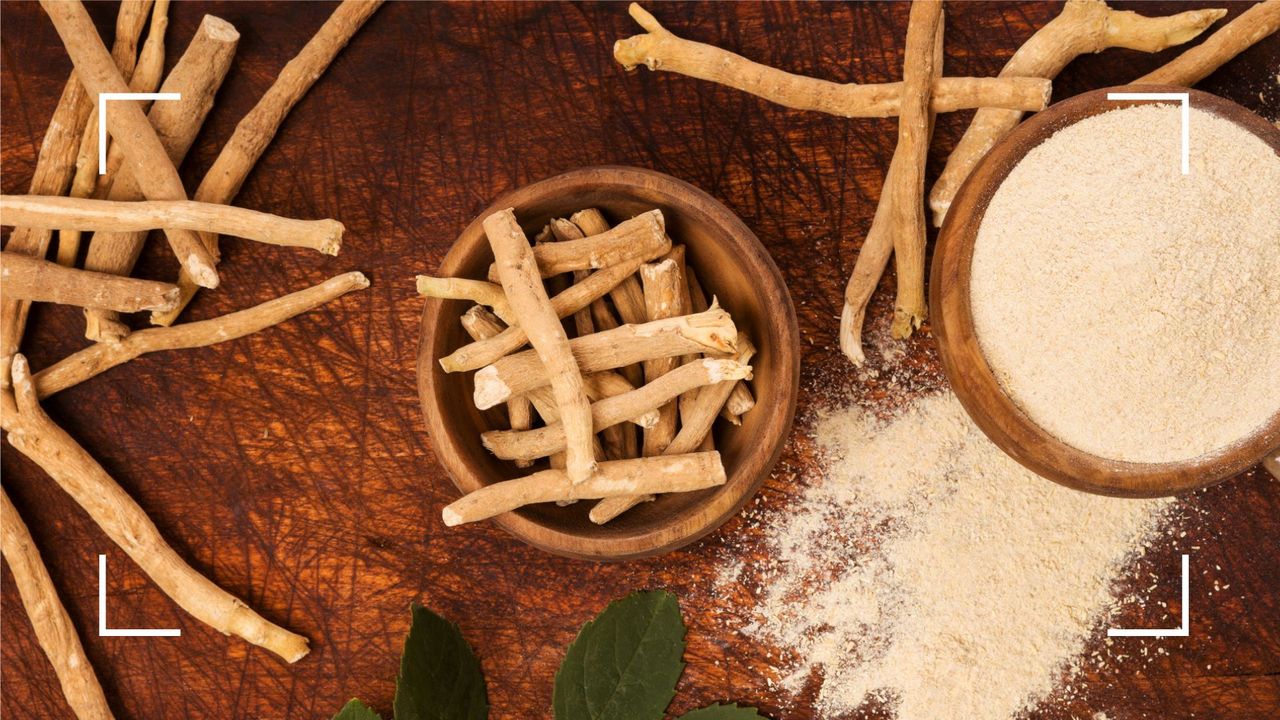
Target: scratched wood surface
293, 468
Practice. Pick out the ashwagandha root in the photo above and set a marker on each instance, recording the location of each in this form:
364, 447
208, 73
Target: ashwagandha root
146, 157
658, 49
477, 291
258, 127
518, 272
607, 412
1194, 65
643, 236
606, 384
55, 165
195, 78
54, 630
142, 70
100, 357
696, 427
490, 350
905, 188
710, 332
33, 434
740, 401
673, 473
664, 295
106, 215
1084, 26
38, 280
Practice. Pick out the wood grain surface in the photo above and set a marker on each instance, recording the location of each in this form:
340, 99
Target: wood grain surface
293, 466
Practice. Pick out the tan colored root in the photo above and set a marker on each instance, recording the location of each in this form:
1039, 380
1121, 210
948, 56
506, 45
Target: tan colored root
627, 296
710, 332
692, 435
33, 434
562, 230
658, 49
643, 237
873, 258
610, 411
100, 357
518, 271
606, 384
478, 354
905, 188
674, 473
258, 127
145, 155
53, 627
479, 323
741, 401
55, 165
37, 280
1194, 65
1083, 27
109, 216
143, 75
477, 291
664, 293
196, 78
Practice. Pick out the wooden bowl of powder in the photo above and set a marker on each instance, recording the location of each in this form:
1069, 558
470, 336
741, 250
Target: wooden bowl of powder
1107, 311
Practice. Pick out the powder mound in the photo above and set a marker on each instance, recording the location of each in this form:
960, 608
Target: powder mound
1130, 310
930, 571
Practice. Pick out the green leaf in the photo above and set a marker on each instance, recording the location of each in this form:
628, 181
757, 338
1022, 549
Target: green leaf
624, 664
356, 710
439, 676
723, 712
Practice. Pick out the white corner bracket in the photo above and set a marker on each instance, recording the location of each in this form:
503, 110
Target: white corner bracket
104, 631
102, 118
1184, 630
1185, 100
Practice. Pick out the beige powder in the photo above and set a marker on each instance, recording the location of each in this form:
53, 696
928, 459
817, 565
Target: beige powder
1130, 310
930, 571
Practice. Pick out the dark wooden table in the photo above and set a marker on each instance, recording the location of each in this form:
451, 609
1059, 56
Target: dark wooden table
293, 467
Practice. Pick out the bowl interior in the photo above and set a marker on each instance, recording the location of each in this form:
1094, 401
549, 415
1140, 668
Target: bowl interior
972, 378
731, 265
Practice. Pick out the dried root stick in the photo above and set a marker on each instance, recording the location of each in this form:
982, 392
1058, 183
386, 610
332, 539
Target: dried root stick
55, 165
664, 292
37, 280
675, 473
110, 216
479, 323
196, 78
740, 401
477, 291
53, 627
905, 188
610, 411
518, 271
259, 126
1084, 26
643, 236
33, 434
145, 155
619, 441
1230, 40
100, 357
627, 296
691, 436
711, 332
478, 354
142, 71
658, 49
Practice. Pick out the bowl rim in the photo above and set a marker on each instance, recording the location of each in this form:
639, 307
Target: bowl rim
671, 534
972, 379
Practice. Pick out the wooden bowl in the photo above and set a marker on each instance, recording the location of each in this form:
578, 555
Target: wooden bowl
731, 264
966, 367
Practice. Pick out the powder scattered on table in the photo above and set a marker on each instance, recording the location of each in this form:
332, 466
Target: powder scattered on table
1130, 310
930, 571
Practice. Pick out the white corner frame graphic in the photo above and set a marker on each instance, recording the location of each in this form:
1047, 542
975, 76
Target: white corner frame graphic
104, 631
102, 117
1185, 100
1184, 630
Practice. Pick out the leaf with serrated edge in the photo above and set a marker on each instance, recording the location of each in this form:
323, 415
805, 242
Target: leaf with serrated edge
439, 677
356, 710
723, 712
625, 663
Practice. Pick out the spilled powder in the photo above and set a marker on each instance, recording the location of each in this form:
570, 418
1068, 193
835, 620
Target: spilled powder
930, 572
1130, 310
